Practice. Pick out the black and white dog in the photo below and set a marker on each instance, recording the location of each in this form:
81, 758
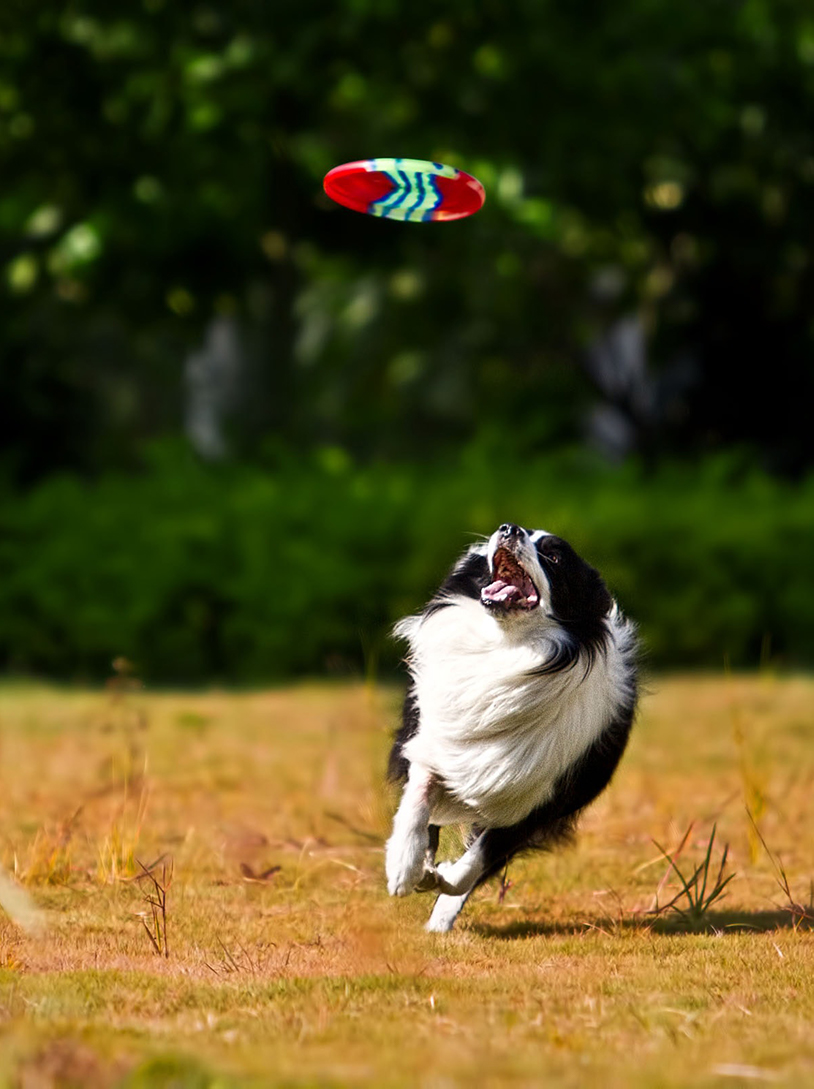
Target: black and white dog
522, 695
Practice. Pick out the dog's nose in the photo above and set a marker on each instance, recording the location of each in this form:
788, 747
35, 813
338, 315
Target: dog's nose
509, 532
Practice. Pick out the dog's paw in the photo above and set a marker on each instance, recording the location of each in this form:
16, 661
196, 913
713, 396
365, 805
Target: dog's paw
429, 880
404, 865
454, 878
403, 881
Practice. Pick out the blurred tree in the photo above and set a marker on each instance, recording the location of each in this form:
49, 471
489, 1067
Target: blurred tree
644, 164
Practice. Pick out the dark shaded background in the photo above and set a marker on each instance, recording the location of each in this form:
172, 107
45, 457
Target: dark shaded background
242, 428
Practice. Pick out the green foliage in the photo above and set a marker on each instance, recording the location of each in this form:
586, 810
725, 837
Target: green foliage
245, 574
162, 165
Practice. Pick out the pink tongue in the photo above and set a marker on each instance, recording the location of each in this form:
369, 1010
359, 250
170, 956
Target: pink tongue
502, 591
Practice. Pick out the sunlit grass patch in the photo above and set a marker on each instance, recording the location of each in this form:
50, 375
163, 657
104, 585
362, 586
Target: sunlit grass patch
263, 817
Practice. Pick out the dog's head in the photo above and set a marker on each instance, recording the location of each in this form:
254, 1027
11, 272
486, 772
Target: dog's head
533, 570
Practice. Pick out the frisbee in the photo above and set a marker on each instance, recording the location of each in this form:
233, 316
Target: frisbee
413, 190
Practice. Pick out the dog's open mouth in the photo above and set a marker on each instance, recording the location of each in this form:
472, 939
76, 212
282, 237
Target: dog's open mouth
512, 588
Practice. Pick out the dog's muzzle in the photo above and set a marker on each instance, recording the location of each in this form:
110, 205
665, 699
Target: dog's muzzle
511, 587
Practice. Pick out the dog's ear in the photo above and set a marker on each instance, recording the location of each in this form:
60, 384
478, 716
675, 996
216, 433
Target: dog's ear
601, 595
581, 596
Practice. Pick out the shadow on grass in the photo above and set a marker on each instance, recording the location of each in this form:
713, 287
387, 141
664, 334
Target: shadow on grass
715, 922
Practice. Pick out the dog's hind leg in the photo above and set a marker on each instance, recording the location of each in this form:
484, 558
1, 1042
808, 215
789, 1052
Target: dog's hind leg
446, 908
461, 876
456, 880
487, 855
435, 839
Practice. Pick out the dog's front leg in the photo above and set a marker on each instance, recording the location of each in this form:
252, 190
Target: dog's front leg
444, 913
409, 844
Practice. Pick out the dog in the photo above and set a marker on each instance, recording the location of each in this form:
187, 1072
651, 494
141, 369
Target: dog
522, 694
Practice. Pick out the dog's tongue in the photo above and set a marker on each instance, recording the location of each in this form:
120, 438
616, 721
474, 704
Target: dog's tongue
501, 591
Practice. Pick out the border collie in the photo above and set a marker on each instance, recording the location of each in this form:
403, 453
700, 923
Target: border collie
522, 695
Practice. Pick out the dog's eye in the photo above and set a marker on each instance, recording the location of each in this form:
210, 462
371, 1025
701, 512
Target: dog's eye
553, 557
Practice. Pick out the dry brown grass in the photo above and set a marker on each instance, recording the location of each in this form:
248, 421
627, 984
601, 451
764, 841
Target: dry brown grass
264, 815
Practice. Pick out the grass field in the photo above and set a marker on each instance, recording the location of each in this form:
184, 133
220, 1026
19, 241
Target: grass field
262, 818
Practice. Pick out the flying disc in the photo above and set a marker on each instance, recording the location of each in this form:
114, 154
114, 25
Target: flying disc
413, 190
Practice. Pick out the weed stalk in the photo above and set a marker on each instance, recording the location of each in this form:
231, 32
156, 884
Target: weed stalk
700, 890
156, 899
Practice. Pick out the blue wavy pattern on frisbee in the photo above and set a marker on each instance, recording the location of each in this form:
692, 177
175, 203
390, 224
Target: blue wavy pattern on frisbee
410, 180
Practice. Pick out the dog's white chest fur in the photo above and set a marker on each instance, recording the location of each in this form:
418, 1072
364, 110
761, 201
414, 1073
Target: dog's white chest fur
494, 734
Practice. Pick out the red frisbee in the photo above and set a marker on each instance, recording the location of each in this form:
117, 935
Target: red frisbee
413, 190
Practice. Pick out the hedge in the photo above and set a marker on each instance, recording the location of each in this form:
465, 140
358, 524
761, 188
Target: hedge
236, 574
